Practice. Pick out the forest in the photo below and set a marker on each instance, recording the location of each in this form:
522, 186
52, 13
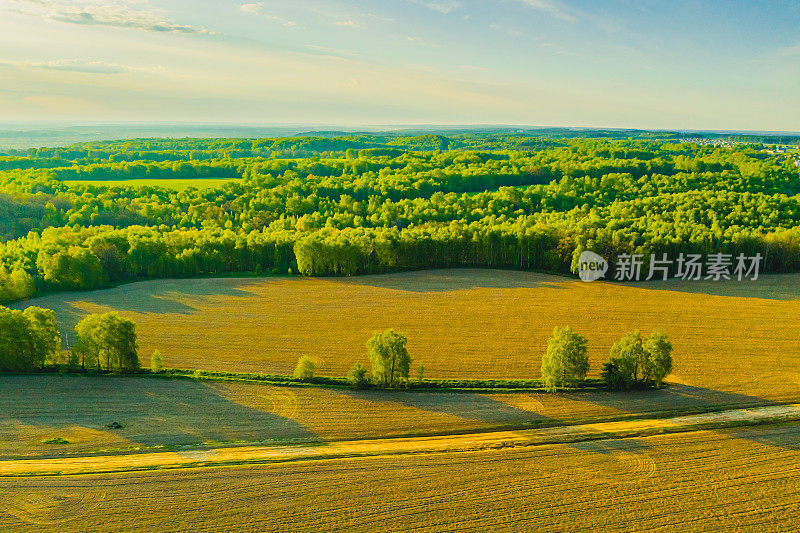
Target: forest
356, 204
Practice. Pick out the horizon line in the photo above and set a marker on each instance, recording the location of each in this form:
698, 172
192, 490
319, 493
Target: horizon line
375, 127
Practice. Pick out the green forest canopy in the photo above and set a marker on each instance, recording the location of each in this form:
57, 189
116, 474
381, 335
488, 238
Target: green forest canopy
377, 203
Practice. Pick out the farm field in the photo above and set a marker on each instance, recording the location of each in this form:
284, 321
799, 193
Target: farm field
178, 184
734, 338
722, 480
158, 412
226, 455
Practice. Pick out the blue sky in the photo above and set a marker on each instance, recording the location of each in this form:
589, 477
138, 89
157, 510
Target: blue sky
624, 63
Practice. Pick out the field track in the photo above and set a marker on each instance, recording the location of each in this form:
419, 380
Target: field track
177, 412
444, 443
724, 480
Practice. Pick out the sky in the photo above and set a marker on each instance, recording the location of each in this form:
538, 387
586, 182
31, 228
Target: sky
677, 64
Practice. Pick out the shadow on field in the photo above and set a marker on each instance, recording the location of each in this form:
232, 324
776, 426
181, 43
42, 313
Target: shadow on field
608, 447
152, 411
669, 401
468, 406
167, 296
675, 397
767, 287
458, 279
786, 436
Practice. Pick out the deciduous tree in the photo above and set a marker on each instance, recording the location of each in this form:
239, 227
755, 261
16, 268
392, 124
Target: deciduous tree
389, 358
566, 361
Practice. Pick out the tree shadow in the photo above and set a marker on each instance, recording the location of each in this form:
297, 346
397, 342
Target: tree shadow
488, 408
611, 446
766, 287
786, 436
469, 406
677, 399
673, 398
151, 411
163, 296
455, 279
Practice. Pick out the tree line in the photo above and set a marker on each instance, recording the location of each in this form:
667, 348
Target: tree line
387, 204
390, 363
634, 362
30, 340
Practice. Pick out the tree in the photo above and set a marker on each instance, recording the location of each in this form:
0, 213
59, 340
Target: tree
17, 343
627, 354
420, 372
388, 358
566, 361
659, 351
305, 368
156, 363
45, 334
357, 376
27, 339
15, 285
642, 361
108, 342
612, 377
74, 268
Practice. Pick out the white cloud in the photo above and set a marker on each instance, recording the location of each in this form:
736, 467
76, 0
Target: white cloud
347, 23
473, 68
552, 8
334, 52
416, 40
76, 65
789, 51
253, 9
442, 6
505, 29
80, 65
129, 14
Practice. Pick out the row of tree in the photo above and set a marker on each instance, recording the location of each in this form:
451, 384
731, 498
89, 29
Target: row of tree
30, 339
634, 362
390, 363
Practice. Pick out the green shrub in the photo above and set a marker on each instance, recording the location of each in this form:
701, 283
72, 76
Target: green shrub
357, 377
55, 440
613, 378
156, 363
304, 369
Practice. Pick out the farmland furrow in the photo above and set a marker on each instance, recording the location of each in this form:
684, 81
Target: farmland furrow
123, 462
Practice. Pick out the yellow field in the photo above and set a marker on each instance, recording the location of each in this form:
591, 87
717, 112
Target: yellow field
737, 338
723, 480
735, 345
159, 412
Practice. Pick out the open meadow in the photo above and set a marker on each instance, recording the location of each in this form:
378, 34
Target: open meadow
734, 338
706, 480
